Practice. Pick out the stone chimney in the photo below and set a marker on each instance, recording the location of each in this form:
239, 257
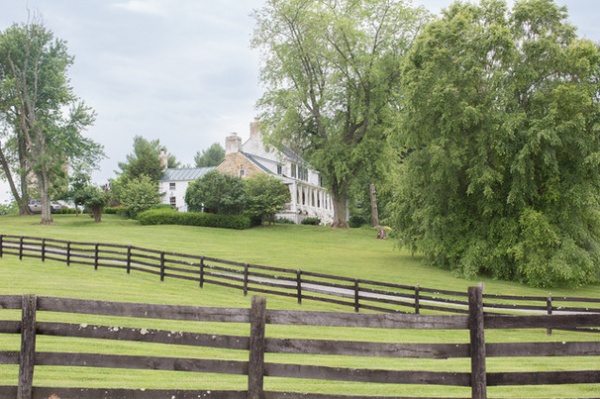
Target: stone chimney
254, 129
164, 159
233, 144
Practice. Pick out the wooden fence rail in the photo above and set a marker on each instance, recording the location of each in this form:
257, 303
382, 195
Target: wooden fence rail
257, 344
359, 294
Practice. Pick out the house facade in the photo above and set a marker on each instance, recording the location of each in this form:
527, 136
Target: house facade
308, 197
174, 183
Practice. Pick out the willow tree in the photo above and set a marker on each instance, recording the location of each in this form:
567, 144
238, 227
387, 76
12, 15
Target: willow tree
501, 145
40, 110
330, 69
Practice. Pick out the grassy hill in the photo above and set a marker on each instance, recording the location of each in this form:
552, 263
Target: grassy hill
352, 253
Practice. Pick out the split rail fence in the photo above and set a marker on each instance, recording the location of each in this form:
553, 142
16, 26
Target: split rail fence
359, 294
256, 344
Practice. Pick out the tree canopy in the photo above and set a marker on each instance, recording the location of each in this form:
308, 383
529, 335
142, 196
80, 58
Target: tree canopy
267, 195
330, 69
146, 160
500, 145
218, 193
44, 120
212, 156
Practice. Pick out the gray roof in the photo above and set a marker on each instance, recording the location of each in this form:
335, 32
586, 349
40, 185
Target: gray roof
254, 160
185, 174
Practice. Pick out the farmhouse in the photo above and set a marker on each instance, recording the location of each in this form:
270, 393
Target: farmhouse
308, 197
174, 182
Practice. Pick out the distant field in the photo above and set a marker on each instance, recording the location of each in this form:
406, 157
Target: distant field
352, 253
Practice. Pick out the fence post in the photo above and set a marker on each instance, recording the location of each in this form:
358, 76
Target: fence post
96, 256
201, 272
1, 244
356, 297
27, 362
477, 344
69, 253
256, 364
21, 248
246, 279
129, 259
417, 299
43, 249
549, 310
162, 266
299, 286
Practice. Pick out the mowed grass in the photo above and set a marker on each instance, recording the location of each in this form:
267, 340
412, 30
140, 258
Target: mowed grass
351, 253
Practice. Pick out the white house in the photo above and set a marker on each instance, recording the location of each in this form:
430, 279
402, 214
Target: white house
174, 183
308, 197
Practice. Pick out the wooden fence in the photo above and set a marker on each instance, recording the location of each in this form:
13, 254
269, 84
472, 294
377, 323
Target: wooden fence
295, 284
257, 344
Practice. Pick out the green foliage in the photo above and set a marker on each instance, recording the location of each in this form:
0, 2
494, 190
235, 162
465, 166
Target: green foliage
145, 160
311, 221
357, 221
212, 156
171, 216
139, 195
94, 199
9, 209
218, 193
267, 195
331, 71
500, 146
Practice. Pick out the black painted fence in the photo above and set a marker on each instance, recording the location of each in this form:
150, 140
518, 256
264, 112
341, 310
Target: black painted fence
256, 344
298, 285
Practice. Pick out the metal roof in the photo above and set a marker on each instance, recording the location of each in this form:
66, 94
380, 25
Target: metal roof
185, 174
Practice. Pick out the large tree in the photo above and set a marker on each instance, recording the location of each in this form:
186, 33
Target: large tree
218, 193
330, 69
43, 119
212, 156
501, 145
146, 160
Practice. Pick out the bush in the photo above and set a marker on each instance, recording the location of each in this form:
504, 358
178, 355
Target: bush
284, 221
356, 221
312, 221
171, 216
68, 211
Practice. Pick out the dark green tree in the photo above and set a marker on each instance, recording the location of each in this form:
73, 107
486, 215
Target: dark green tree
218, 193
94, 199
501, 146
267, 195
330, 70
146, 160
212, 156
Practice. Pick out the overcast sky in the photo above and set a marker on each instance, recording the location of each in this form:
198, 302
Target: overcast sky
181, 71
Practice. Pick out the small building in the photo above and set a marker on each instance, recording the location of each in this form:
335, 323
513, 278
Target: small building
174, 183
308, 197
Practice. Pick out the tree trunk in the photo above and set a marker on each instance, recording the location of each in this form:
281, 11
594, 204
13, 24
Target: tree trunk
43, 184
21, 201
97, 213
374, 212
340, 206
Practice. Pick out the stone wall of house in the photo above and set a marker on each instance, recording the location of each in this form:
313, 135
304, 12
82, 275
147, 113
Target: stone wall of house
236, 162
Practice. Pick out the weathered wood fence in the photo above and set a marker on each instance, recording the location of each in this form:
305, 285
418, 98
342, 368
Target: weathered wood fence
295, 284
257, 344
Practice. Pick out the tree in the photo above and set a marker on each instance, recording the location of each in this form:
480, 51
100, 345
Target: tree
212, 156
218, 193
330, 70
139, 195
267, 195
146, 160
500, 145
95, 199
45, 118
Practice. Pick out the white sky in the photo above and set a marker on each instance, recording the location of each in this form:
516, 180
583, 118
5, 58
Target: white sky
181, 71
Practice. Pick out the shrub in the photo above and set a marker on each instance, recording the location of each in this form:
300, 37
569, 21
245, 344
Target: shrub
284, 221
356, 221
171, 216
312, 221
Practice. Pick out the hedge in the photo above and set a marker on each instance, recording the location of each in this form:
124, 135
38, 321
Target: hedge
170, 216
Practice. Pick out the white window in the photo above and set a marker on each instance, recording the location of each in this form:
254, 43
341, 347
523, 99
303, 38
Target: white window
172, 186
173, 202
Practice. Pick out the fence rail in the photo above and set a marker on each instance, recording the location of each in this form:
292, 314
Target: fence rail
256, 344
359, 294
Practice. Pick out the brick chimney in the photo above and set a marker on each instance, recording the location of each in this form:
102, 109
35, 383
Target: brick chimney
233, 144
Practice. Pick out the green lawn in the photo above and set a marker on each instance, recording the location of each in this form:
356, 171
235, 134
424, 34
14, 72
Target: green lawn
352, 253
